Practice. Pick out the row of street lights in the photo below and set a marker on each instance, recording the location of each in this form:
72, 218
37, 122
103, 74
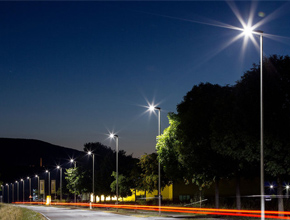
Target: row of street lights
29, 182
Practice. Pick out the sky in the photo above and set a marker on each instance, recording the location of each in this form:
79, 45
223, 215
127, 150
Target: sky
72, 72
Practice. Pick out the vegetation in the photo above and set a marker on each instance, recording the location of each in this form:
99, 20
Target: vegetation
104, 165
10, 212
215, 133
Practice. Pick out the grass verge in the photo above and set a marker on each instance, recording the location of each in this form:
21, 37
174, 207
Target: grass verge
11, 212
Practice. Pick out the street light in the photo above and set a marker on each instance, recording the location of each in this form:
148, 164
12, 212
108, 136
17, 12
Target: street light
29, 188
60, 169
75, 166
249, 31
153, 108
7, 191
48, 182
12, 192
117, 165
22, 189
17, 190
36, 176
93, 185
287, 191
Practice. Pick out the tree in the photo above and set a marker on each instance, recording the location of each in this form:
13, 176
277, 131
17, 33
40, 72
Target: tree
168, 145
204, 165
74, 180
124, 185
105, 164
149, 173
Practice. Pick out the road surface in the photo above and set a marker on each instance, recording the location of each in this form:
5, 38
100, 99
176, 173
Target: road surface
57, 213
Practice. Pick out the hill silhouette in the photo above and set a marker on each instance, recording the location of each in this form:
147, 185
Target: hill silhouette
24, 157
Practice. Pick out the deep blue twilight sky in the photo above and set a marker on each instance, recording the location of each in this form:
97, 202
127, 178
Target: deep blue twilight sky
73, 71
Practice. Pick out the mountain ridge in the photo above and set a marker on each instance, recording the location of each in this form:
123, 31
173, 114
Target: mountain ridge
21, 156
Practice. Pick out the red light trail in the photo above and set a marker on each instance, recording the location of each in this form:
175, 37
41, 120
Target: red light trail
204, 211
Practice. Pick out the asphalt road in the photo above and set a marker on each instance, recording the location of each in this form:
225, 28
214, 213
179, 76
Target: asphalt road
56, 213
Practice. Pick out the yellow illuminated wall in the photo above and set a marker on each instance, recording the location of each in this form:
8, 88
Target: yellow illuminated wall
167, 194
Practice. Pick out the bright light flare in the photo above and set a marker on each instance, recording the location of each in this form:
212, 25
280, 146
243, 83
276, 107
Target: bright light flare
248, 31
89, 152
71, 160
112, 135
151, 108
58, 167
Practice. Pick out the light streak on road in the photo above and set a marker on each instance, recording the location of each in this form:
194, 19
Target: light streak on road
203, 211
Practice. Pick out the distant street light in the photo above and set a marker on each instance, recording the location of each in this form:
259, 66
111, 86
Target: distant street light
60, 169
75, 166
7, 192
117, 165
93, 183
36, 176
48, 182
153, 108
22, 180
12, 192
17, 183
29, 188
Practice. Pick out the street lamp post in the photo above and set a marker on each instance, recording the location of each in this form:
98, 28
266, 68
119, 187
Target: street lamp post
22, 190
153, 108
17, 190
249, 31
262, 128
48, 182
117, 165
29, 181
37, 186
93, 185
12, 192
60, 184
75, 166
7, 192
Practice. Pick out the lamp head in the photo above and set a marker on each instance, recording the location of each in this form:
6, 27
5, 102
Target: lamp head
89, 152
248, 31
151, 108
58, 167
71, 160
